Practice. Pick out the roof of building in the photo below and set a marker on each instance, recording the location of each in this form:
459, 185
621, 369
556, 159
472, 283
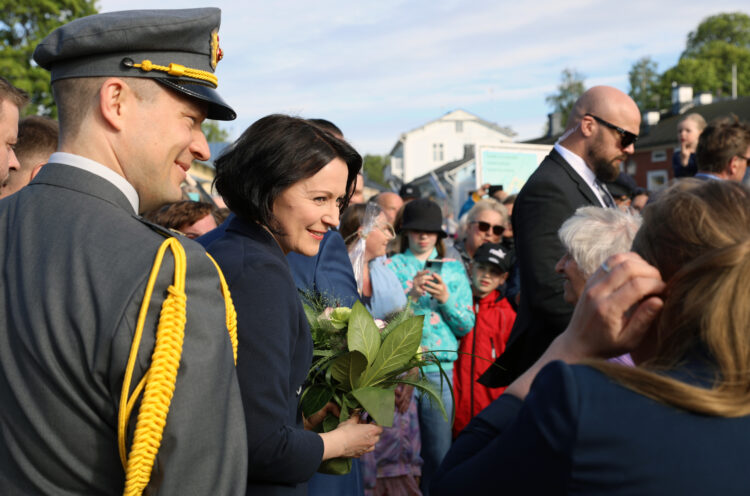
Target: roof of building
665, 132
507, 131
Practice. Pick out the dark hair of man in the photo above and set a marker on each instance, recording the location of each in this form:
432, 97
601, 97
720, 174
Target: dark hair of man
175, 215
274, 153
351, 220
17, 97
327, 126
37, 136
723, 139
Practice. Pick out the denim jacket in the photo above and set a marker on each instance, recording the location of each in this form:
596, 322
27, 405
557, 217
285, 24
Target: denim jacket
444, 322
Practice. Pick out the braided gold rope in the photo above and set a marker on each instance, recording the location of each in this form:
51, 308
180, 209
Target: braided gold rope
159, 380
179, 70
231, 313
162, 374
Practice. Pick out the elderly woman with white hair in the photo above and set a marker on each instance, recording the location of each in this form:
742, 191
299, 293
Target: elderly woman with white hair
590, 236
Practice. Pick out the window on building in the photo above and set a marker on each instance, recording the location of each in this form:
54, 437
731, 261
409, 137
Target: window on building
459, 126
437, 152
659, 156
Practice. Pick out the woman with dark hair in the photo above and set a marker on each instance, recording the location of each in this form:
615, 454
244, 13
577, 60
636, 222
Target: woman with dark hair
679, 421
286, 180
443, 296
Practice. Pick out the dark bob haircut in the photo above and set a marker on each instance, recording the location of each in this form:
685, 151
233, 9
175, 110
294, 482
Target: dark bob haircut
273, 154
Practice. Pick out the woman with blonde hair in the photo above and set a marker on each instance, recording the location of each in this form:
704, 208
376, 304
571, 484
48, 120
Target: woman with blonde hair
678, 422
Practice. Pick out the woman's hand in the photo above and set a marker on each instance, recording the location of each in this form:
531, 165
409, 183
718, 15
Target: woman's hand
350, 439
437, 288
418, 288
316, 418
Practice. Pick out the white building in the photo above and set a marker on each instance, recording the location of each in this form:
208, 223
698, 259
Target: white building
439, 142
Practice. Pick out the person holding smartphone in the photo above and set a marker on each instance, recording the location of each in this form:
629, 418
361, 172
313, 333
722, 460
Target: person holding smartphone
444, 297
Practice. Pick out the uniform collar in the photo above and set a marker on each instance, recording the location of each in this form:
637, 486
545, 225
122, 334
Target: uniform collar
99, 170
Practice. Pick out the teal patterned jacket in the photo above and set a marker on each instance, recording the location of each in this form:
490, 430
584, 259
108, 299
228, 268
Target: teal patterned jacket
444, 322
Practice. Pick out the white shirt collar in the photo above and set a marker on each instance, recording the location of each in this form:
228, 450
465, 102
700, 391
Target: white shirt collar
99, 170
579, 165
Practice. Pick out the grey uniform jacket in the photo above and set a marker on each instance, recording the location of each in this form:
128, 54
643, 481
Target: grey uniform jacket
75, 261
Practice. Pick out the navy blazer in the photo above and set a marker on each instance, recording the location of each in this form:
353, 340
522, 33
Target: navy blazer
274, 356
551, 195
579, 432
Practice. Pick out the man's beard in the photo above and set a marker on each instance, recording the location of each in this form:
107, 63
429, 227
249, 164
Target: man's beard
604, 168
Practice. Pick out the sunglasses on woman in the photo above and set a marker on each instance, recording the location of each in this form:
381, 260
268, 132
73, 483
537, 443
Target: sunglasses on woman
626, 137
485, 226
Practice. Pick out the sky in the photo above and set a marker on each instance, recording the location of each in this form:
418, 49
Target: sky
380, 68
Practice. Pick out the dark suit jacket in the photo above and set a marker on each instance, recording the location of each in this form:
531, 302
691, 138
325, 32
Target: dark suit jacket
274, 357
578, 432
75, 260
551, 195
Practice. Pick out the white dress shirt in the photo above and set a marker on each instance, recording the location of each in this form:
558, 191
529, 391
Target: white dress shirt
578, 165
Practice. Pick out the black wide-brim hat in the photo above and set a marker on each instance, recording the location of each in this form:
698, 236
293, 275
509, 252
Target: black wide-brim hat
423, 215
178, 48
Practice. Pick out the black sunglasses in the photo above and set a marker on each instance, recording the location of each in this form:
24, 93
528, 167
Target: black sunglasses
626, 137
485, 226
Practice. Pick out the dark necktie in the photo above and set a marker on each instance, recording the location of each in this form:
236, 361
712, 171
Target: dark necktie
604, 193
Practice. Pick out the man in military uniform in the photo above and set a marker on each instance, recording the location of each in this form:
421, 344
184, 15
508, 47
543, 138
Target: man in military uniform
76, 259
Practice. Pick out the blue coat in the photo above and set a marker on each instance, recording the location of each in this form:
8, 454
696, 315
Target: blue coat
274, 356
578, 432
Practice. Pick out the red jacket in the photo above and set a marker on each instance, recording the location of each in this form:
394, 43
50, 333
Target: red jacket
486, 341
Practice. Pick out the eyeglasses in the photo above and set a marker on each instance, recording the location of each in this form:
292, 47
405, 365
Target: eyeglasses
386, 229
485, 226
626, 137
747, 159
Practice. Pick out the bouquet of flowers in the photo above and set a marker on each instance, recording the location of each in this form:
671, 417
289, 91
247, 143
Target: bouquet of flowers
358, 365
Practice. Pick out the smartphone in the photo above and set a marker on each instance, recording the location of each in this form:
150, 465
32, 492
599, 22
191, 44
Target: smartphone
434, 265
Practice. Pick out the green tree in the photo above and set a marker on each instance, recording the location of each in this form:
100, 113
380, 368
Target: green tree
718, 43
732, 28
373, 168
644, 83
214, 133
22, 26
571, 87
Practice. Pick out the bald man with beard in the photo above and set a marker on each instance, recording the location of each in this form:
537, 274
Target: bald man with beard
600, 135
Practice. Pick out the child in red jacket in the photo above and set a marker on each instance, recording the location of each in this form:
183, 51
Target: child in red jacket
479, 348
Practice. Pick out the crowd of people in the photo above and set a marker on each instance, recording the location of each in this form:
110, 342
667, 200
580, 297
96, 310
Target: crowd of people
584, 340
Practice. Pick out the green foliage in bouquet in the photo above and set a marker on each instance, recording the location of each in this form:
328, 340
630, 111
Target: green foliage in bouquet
358, 366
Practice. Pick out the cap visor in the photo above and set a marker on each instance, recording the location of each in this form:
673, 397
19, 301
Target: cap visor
217, 107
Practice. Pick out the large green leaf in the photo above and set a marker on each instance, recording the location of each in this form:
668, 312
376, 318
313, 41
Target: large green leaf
348, 367
378, 402
357, 366
314, 398
398, 348
363, 335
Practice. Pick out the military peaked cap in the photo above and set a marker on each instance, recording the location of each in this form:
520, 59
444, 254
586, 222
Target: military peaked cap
177, 48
